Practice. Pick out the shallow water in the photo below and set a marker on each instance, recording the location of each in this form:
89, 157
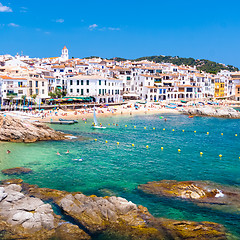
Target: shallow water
111, 169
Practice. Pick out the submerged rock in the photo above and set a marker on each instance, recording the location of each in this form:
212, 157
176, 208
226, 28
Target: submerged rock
17, 130
204, 193
17, 170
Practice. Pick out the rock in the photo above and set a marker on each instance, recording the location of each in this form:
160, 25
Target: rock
224, 112
17, 130
16, 171
203, 193
92, 218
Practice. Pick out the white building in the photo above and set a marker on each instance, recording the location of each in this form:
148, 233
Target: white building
103, 90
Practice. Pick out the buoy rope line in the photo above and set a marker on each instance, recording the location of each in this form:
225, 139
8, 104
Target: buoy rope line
132, 145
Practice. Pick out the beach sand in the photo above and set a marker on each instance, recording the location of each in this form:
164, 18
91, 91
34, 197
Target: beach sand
80, 114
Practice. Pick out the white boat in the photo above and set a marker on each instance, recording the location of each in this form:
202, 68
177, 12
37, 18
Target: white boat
95, 121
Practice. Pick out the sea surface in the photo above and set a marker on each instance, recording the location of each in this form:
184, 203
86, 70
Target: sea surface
108, 168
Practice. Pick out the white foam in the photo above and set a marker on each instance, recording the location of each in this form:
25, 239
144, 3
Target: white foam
219, 194
71, 137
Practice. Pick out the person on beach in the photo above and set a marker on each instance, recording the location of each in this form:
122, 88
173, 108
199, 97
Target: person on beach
67, 151
8, 151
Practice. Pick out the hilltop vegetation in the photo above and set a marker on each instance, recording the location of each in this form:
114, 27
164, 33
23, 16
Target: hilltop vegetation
201, 64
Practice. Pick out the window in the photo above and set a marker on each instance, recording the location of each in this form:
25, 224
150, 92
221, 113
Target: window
77, 90
81, 91
36, 83
99, 91
81, 82
42, 84
71, 90
71, 82
77, 82
43, 91
87, 82
87, 90
37, 91
105, 82
100, 82
20, 91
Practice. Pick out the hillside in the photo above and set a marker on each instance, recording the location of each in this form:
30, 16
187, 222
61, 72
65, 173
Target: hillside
201, 64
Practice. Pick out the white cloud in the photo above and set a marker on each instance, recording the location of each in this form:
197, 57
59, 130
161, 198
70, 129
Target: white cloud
59, 20
5, 8
13, 25
93, 26
23, 9
113, 29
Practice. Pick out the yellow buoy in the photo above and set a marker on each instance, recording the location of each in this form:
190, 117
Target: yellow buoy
117, 143
106, 141
134, 126
147, 146
201, 153
220, 155
236, 135
153, 128
132, 145
207, 133
95, 139
221, 133
125, 125
183, 130
109, 124
195, 131
144, 127
173, 130
85, 122
164, 129
179, 150
161, 148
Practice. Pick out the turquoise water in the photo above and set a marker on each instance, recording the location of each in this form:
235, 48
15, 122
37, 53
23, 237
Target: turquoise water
111, 169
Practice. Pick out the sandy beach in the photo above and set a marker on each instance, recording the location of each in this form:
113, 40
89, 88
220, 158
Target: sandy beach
81, 114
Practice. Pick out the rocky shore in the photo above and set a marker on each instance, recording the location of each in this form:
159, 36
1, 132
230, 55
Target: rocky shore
26, 212
17, 130
203, 193
222, 112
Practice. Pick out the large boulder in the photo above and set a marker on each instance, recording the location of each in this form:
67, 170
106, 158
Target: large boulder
17, 130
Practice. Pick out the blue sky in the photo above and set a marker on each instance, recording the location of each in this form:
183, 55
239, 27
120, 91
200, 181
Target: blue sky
130, 29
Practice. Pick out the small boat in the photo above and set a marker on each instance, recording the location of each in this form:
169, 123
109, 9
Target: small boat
67, 120
190, 116
172, 107
61, 122
95, 125
183, 101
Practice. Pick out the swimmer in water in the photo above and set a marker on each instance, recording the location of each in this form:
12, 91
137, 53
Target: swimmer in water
8, 151
58, 154
67, 151
165, 119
